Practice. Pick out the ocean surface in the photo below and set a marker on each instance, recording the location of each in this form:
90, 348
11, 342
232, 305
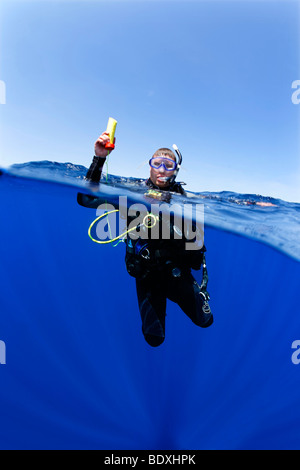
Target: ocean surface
75, 370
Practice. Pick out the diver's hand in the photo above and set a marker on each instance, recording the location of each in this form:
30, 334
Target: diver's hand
100, 150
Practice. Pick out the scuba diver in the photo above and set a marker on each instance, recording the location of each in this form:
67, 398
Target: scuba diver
162, 268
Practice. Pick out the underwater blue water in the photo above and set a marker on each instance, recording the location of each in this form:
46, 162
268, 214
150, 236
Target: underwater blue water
78, 373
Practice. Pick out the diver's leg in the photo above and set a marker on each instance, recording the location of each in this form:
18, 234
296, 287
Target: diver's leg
185, 291
152, 305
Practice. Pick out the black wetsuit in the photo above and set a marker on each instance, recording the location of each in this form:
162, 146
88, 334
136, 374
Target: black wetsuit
162, 269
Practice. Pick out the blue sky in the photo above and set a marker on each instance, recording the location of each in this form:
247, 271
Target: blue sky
213, 77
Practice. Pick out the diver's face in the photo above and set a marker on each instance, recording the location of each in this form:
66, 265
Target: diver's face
160, 176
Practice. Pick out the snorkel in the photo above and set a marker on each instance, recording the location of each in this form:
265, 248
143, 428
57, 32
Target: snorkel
172, 178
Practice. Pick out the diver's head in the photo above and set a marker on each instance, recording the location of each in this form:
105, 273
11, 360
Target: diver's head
162, 167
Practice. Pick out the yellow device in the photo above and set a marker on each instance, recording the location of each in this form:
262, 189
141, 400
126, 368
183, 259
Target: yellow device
111, 129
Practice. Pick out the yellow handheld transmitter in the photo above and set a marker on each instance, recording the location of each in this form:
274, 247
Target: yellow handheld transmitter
111, 129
